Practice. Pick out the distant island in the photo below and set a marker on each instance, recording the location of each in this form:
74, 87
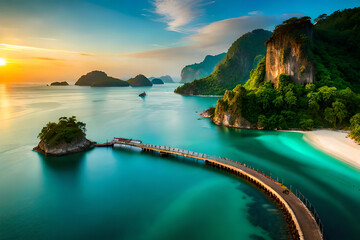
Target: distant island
308, 79
59, 84
139, 81
200, 70
157, 81
100, 79
62, 138
165, 79
243, 55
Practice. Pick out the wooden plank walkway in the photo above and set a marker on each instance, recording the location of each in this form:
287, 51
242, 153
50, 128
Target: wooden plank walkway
302, 224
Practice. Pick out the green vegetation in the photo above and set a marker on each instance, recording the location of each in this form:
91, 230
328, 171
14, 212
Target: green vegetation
336, 49
109, 82
331, 101
355, 127
233, 69
65, 131
139, 81
290, 105
202, 69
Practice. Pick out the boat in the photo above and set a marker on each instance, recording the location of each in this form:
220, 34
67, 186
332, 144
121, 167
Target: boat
142, 94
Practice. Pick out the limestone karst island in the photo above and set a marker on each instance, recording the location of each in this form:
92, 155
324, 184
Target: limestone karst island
180, 119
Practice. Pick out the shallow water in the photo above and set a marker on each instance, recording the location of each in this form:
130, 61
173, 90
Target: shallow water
125, 194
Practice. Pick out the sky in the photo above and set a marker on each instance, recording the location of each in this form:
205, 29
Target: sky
47, 40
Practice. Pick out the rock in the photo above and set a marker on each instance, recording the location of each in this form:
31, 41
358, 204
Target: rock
59, 84
139, 81
157, 81
287, 52
77, 145
208, 113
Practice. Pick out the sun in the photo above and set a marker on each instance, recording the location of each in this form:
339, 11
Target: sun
2, 62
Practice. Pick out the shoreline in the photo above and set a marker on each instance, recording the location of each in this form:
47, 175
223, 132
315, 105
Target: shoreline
334, 143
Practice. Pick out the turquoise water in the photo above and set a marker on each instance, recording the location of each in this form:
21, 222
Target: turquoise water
124, 194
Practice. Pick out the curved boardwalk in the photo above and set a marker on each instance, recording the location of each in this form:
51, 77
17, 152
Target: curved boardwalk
302, 223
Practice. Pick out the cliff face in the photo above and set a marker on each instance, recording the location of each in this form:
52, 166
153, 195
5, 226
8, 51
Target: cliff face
288, 52
200, 70
228, 111
77, 145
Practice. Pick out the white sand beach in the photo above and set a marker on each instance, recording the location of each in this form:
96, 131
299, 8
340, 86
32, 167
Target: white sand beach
336, 144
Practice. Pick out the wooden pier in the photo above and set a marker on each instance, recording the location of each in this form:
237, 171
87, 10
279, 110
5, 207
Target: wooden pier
302, 224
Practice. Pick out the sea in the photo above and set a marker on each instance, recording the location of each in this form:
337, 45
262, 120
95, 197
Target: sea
123, 193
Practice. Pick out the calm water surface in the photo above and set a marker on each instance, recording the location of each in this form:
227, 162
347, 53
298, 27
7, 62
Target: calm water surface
124, 194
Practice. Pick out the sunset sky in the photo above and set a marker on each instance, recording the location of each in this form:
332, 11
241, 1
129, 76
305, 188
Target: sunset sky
46, 40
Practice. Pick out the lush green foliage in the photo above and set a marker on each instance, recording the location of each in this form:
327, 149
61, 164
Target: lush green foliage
289, 105
355, 127
65, 131
331, 101
336, 49
234, 69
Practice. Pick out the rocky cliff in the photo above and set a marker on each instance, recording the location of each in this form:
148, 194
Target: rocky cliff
202, 69
75, 146
228, 111
288, 52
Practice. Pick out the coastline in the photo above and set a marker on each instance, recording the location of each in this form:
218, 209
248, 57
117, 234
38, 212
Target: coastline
335, 143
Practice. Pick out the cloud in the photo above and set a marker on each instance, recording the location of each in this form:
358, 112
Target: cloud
256, 13
220, 34
214, 38
207, 3
49, 59
178, 13
11, 47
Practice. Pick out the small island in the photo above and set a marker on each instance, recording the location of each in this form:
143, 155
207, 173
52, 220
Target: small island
100, 79
63, 138
59, 84
139, 81
157, 81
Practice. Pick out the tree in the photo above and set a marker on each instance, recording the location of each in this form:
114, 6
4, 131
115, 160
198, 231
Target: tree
307, 124
66, 130
328, 93
330, 116
355, 127
284, 80
278, 101
337, 112
290, 98
340, 110
321, 17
